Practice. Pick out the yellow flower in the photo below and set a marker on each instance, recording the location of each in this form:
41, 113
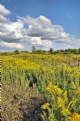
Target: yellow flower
65, 111
78, 91
60, 102
54, 89
75, 117
45, 106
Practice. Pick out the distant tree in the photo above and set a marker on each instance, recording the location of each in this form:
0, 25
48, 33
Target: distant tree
75, 51
79, 50
62, 51
25, 51
39, 51
58, 51
33, 49
16, 52
51, 50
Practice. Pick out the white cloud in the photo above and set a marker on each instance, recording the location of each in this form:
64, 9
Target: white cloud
42, 28
40, 32
37, 41
11, 45
3, 10
2, 18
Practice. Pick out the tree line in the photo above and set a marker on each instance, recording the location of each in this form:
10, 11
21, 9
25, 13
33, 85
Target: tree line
50, 51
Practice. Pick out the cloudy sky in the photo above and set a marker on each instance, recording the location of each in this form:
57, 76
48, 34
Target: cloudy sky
41, 23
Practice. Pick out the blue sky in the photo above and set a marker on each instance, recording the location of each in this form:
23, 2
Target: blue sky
57, 24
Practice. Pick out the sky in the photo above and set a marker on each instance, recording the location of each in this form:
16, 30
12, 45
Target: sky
44, 24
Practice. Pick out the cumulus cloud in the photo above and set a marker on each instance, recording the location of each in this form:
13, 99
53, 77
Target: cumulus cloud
39, 31
42, 28
3, 10
10, 32
11, 45
2, 18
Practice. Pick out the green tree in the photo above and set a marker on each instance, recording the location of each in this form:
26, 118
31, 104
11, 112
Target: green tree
79, 50
33, 49
51, 51
16, 52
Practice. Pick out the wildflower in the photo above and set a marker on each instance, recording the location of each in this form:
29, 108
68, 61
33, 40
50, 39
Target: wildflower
78, 91
54, 89
65, 111
60, 102
45, 106
75, 117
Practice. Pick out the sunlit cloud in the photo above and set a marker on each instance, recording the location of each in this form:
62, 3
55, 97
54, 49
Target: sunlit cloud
40, 32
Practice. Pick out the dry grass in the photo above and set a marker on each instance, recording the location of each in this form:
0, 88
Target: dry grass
20, 105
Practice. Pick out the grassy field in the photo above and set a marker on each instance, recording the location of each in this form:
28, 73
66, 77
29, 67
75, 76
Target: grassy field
40, 87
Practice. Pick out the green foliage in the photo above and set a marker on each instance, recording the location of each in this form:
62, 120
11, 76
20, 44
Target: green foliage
51, 50
16, 52
53, 78
33, 49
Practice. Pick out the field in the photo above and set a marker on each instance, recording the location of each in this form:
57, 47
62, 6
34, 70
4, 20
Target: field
40, 87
